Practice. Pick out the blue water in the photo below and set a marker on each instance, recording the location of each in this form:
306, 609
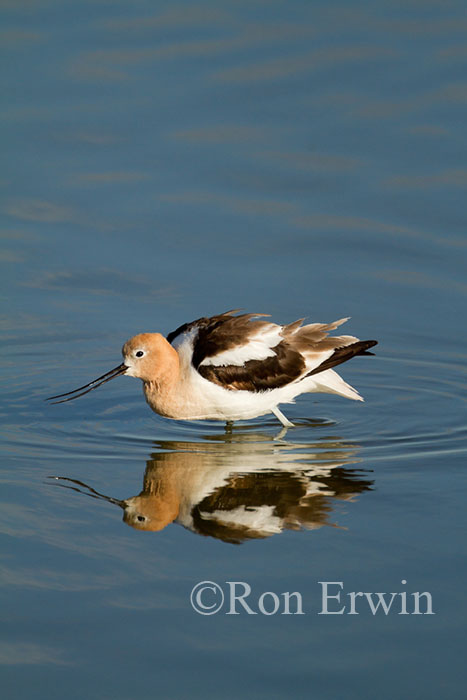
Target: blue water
165, 161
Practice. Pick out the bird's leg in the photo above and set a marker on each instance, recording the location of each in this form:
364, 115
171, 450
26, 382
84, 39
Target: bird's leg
286, 423
281, 434
228, 426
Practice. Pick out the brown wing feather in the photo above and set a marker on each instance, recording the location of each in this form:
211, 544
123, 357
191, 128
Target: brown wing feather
202, 322
219, 333
259, 375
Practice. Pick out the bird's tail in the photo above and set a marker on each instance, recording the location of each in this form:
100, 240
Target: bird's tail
329, 382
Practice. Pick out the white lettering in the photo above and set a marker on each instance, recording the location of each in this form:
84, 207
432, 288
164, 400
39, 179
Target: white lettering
276, 603
381, 601
429, 603
325, 597
241, 598
298, 598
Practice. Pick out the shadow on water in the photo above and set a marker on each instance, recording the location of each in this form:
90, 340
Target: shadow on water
240, 487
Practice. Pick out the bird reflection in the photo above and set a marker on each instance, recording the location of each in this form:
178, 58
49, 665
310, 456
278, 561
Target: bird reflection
240, 489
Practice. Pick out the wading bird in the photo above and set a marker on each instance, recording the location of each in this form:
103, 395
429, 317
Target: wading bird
233, 367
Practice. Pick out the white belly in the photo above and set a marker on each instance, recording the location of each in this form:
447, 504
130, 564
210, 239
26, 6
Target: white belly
196, 398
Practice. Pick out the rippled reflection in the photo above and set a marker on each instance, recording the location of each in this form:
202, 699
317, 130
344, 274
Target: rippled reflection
242, 489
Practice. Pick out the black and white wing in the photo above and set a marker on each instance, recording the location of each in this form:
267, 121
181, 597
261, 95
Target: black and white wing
239, 353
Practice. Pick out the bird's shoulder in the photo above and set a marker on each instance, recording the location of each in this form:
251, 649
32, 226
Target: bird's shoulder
212, 336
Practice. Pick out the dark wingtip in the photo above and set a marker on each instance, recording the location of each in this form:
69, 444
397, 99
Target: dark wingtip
368, 344
364, 347
341, 355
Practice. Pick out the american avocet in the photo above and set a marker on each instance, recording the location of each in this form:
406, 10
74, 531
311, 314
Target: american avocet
231, 367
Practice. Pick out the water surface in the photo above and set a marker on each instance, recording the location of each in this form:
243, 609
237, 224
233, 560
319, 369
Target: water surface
167, 161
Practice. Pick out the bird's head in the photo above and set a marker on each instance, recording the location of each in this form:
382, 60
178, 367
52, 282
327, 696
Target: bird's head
145, 355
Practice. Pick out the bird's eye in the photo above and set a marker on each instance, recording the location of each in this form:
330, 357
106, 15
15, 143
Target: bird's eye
139, 353
141, 518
